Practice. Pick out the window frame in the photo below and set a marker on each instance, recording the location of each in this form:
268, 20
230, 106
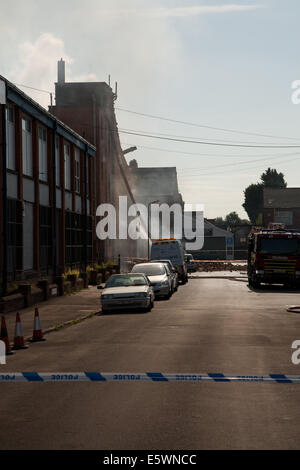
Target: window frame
77, 170
10, 138
27, 145
67, 166
43, 157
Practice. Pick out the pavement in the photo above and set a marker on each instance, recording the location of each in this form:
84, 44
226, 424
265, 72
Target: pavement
218, 274
208, 326
56, 311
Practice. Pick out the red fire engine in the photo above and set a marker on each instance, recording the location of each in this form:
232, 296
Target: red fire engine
274, 256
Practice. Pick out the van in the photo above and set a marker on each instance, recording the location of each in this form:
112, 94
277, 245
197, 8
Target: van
190, 264
172, 249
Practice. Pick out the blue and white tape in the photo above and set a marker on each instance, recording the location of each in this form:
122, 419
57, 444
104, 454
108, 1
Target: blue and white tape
141, 377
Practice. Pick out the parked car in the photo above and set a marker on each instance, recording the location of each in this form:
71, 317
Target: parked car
173, 271
124, 291
190, 263
170, 248
159, 277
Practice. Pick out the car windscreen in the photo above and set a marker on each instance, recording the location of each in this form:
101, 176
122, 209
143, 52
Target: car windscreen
165, 262
149, 269
126, 280
279, 246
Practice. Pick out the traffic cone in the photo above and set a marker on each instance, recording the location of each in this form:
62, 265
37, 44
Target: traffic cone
19, 338
4, 337
37, 329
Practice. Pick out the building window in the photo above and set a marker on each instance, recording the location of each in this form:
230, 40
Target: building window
45, 237
57, 161
14, 239
87, 177
77, 171
67, 159
27, 147
284, 217
43, 167
10, 138
74, 236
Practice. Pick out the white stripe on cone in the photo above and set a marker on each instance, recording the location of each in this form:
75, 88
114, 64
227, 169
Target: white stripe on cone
18, 330
37, 323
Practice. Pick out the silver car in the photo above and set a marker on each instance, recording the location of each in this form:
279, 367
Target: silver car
173, 271
124, 291
159, 277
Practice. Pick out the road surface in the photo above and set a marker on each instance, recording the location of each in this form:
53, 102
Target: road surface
208, 326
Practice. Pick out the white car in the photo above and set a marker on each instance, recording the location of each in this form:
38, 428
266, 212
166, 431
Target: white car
159, 277
127, 291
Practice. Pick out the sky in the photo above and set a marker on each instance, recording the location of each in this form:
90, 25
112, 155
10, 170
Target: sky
215, 64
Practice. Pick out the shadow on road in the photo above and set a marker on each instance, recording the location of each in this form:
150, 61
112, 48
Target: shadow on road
275, 288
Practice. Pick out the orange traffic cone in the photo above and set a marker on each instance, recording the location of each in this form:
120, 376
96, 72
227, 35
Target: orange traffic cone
19, 338
37, 329
4, 336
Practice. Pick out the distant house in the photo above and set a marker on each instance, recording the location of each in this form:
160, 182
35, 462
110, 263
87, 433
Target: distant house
282, 205
218, 243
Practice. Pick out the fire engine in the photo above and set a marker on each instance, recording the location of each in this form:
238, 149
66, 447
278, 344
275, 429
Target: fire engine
274, 256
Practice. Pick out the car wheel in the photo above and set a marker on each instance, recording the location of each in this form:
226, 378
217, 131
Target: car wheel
104, 311
149, 308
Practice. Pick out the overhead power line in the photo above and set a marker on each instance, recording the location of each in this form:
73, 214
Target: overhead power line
201, 142
262, 160
218, 155
32, 88
204, 126
228, 171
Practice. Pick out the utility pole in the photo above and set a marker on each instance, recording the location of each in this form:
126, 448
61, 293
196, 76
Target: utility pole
149, 234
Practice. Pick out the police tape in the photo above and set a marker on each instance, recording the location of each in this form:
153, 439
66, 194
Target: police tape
141, 377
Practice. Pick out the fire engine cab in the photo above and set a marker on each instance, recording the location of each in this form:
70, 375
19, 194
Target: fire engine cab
274, 256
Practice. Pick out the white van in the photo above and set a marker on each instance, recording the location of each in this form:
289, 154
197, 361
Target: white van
170, 248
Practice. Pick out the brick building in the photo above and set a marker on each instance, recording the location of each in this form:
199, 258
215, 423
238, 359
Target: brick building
282, 205
88, 108
48, 192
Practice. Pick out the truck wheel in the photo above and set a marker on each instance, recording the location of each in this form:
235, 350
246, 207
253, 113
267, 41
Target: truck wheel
256, 284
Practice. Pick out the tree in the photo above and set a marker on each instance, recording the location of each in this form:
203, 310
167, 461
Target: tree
219, 221
232, 219
272, 179
253, 203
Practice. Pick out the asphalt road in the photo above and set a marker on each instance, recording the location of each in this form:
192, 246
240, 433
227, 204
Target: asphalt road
208, 326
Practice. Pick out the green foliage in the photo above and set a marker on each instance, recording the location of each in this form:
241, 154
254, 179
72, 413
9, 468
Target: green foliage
71, 271
219, 221
232, 219
101, 266
253, 203
272, 179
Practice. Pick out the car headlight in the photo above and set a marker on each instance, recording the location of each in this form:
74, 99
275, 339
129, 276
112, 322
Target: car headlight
141, 294
259, 271
165, 283
106, 296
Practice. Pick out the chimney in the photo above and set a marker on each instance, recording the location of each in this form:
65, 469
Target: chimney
61, 76
133, 164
